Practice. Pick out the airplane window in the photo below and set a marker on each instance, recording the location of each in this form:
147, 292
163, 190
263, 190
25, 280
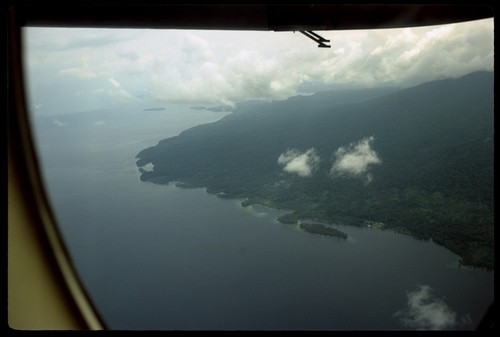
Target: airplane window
246, 180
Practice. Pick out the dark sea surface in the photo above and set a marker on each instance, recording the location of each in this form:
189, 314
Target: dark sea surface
158, 257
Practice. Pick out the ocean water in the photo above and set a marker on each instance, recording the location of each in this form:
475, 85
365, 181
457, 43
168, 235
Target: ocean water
156, 257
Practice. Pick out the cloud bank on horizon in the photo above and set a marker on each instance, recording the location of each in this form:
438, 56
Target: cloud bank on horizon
72, 69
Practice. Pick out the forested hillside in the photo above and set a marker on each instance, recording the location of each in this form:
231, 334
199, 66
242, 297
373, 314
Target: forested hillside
418, 160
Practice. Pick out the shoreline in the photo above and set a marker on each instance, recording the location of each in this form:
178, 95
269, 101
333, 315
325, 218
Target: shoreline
293, 217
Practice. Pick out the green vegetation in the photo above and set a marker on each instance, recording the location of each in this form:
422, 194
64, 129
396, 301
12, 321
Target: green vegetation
289, 219
435, 141
322, 230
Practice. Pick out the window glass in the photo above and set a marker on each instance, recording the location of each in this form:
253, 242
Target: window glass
250, 180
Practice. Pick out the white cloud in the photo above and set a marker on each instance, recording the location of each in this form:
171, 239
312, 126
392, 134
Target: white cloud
302, 164
114, 82
63, 39
425, 311
355, 159
99, 122
149, 167
59, 123
231, 66
369, 178
121, 96
241, 75
414, 55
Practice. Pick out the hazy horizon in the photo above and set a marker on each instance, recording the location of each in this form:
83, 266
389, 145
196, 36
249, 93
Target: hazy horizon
85, 69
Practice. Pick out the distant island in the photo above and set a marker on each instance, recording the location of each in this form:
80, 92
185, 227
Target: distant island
418, 161
153, 109
322, 230
219, 108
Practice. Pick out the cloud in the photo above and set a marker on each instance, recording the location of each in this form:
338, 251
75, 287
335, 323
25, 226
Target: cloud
355, 159
226, 67
121, 96
368, 58
414, 55
99, 122
425, 311
242, 75
114, 82
64, 39
302, 164
149, 167
369, 178
59, 123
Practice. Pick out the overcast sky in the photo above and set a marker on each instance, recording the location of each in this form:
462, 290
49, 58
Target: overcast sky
71, 70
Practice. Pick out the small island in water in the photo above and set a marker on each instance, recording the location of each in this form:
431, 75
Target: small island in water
154, 109
320, 229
